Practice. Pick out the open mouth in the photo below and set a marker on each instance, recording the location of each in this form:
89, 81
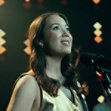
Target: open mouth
65, 42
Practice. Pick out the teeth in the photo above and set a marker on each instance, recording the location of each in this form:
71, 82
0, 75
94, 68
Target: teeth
65, 42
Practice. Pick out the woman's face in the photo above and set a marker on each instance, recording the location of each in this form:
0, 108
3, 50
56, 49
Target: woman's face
57, 36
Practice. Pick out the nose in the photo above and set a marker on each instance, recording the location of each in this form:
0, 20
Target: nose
65, 33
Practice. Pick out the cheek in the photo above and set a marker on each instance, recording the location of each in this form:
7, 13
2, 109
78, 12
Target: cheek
51, 40
54, 37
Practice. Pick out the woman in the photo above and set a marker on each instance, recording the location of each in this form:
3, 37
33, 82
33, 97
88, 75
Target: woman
52, 82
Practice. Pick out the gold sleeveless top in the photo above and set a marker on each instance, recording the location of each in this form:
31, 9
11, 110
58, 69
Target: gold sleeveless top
60, 103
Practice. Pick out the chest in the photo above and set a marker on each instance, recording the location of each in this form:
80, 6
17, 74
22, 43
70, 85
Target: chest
62, 102
68, 93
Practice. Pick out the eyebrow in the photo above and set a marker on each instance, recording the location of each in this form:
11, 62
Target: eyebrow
57, 24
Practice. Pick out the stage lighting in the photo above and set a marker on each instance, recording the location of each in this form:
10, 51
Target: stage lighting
40, 1
2, 2
101, 99
64, 2
97, 32
27, 49
27, 4
98, 39
97, 25
27, 0
96, 1
2, 42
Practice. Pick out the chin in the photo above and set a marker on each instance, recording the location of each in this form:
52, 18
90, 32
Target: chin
67, 53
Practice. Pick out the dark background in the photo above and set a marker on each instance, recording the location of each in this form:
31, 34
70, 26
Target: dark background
82, 14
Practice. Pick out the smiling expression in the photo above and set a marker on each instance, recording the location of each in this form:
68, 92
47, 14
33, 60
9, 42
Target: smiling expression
57, 36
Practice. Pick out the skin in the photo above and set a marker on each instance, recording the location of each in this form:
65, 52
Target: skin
26, 94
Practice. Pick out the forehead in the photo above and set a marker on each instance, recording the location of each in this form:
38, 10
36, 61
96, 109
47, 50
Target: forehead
55, 19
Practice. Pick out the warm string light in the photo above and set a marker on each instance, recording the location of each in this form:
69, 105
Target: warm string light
98, 39
40, 4
27, 4
96, 1
27, 0
64, 2
2, 42
2, 2
40, 1
101, 99
27, 49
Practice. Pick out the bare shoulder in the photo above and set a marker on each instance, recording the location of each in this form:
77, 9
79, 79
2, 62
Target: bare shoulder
26, 91
27, 84
26, 80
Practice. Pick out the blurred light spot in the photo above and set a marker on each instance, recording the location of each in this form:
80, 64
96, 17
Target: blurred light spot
2, 50
2, 2
27, 0
98, 39
99, 74
96, 1
97, 25
64, 2
2, 42
97, 32
101, 99
40, 1
27, 5
27, 49
2, 33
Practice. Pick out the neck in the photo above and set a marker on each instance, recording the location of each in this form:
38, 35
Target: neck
53, 68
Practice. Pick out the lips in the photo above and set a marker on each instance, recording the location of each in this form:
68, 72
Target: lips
66, 42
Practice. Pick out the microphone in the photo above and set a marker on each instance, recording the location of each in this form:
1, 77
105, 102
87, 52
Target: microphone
95, 60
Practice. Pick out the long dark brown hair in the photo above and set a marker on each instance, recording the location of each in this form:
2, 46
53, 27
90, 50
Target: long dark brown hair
38, 60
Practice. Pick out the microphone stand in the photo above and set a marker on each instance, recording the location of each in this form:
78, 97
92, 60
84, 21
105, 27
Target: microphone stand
103, 78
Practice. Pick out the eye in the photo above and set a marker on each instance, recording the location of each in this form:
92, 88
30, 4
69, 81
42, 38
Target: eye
68, 29
56, 28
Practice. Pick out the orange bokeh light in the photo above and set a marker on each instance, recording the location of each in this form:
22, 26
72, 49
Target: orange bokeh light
97, 32
26, 42
98, 39
2, 50
27, 5
64, 2
27, 0
2, 2
2, 41
27, 50
96, 1
40, 1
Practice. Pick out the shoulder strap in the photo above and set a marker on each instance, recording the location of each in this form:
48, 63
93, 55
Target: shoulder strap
23, 74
